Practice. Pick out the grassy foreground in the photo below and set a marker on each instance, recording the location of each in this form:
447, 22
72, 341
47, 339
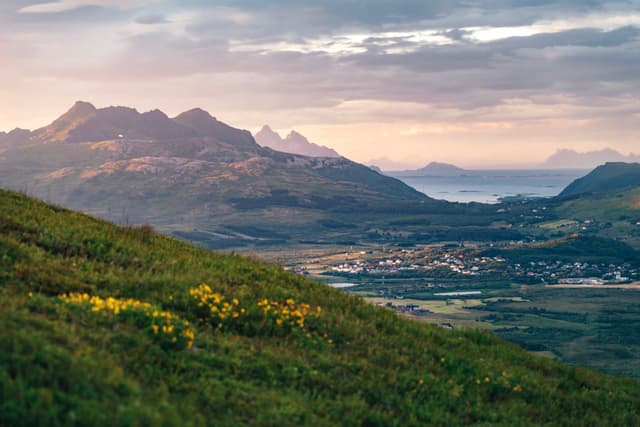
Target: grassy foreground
101, 325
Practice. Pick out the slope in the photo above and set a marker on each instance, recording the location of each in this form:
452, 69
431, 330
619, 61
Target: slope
76, 360
610, 176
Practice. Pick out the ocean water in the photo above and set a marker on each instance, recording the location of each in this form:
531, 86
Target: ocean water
488, 186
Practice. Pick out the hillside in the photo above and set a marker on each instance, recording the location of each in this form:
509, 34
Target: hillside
256, 349
610, 176
294, 143
613, 214
191, 175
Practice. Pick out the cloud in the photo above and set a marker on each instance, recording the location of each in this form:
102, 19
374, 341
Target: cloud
152, 19
432, 68
68, 5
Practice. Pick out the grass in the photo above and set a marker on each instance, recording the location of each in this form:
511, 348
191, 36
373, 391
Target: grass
64, 364
610, 176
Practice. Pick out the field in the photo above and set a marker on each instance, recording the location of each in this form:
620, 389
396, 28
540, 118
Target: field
572, 323
595, 326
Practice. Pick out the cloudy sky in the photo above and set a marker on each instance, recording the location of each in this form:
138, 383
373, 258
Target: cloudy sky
404, 82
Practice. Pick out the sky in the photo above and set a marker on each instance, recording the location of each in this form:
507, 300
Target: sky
495, 83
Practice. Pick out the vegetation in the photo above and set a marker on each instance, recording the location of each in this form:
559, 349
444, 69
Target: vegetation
577, 248
78, 344
610, 176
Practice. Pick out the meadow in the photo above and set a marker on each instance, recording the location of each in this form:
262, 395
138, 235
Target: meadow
89, 312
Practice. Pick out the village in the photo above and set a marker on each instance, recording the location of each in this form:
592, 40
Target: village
458, 264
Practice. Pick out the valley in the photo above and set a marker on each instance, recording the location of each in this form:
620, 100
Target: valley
319, 213
504, 266
579, 312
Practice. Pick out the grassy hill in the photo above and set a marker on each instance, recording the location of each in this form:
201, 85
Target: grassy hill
611, 214
101, 325
610, 176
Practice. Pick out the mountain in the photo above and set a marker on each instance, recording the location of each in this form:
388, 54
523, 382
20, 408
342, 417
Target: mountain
103, 326
14, 138
432, 169
294, 143
203, 124
570, 159
85, 123
195, 176
610, 176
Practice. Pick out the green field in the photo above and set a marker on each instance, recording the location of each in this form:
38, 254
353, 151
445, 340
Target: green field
595, 327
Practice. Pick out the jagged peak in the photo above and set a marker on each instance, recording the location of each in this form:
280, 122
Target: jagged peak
267, 130
295, 134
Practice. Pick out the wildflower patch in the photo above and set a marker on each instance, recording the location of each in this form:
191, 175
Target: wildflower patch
166, 327
264, 317
214, 307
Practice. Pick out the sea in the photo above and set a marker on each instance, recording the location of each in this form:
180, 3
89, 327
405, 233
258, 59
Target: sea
490, 186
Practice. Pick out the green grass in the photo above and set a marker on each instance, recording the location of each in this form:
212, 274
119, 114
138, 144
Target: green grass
607, 177
63, 365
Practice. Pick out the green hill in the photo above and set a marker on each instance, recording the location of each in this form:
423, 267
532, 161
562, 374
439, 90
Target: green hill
101, 325
610, 176
611, 214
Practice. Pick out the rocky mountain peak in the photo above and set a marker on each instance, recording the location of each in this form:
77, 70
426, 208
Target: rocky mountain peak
294, 143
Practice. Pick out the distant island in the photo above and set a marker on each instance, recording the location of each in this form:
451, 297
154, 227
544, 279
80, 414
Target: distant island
570, 159
432, 169
294, 143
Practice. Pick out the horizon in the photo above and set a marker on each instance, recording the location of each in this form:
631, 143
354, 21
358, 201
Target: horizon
391, 164
479, 86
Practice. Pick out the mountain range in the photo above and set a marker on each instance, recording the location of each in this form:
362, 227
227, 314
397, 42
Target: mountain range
192, 175
570, 159
294, 143
202, 180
